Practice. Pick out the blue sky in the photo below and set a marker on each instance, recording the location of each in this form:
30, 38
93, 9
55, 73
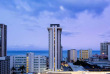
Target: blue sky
85, 23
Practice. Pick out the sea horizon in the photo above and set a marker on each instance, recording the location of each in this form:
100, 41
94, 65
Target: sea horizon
42, 52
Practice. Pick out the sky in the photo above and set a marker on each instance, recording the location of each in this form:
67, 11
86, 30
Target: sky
85, 23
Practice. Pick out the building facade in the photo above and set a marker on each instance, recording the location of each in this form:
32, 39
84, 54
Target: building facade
104, 48
3, 40
5, 65
55, 49
85, 54
72, 55
18, 61
31, 62
109, 52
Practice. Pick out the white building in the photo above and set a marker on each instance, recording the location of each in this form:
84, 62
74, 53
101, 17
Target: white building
55, 50
72, 55
40, 63
18, 61
32, 63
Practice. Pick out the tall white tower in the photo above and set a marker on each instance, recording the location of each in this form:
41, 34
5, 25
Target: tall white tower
55, 50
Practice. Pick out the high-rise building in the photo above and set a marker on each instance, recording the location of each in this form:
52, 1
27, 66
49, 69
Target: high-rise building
3, 40
104, 48
109, 52
72, 55
85, 54
6, 65
55, 49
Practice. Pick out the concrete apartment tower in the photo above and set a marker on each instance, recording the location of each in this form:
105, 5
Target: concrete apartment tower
72, 55
55, 50
3, 40
104, 48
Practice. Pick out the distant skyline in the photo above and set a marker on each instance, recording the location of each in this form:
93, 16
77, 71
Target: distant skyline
85, 23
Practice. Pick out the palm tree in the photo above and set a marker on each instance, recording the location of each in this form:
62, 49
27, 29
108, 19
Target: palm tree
13, 69
22, 68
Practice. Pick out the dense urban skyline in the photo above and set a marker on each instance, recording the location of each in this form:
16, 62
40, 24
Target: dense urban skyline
85, 23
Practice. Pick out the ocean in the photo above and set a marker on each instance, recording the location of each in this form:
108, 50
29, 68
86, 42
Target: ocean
43, 53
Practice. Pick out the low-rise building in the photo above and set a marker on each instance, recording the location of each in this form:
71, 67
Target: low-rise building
94, 59
105, 64
76, 67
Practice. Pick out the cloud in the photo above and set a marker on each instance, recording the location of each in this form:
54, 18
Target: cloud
69, 33
93, 6
66, 33
105, 35
27, 24
71, 7
62, 8
22, 5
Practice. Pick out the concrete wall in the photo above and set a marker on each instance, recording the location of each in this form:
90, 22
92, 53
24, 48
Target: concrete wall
76, 72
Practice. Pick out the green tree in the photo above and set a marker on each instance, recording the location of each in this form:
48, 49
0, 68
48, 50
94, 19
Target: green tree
13, 69
22, 69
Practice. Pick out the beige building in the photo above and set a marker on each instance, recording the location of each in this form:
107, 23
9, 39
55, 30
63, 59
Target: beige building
85, 54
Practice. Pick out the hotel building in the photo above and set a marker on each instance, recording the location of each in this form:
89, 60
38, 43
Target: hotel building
3, 40
85, 54
55, 49
32, 63
72, 55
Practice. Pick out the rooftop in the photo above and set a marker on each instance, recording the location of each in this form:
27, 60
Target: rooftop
58, 25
